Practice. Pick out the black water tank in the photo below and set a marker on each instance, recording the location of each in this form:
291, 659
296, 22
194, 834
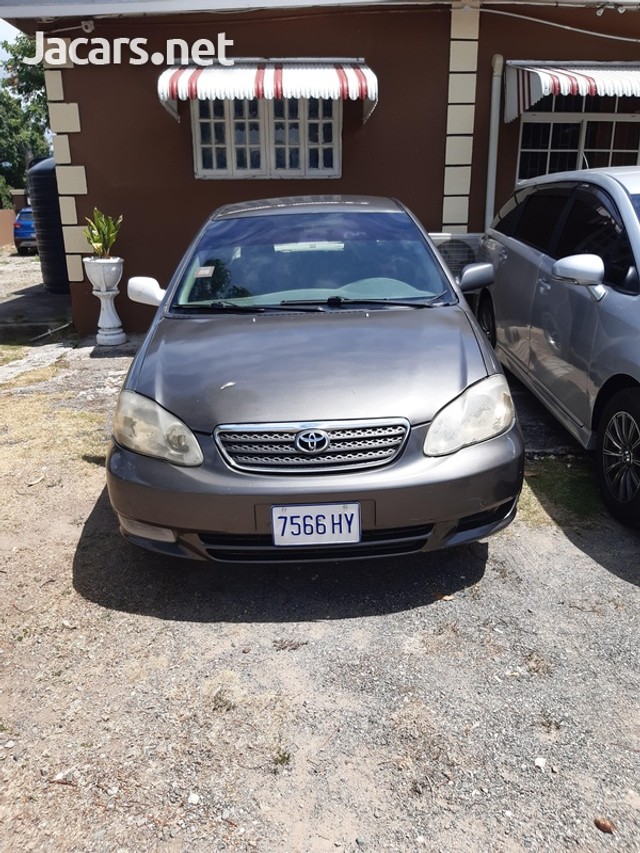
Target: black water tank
43, 196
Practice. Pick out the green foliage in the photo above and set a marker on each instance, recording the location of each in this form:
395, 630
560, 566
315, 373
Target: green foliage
101, 232
6, 202
26, 82
23, 112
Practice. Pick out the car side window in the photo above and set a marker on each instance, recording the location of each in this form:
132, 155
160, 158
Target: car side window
539, 219
593, 228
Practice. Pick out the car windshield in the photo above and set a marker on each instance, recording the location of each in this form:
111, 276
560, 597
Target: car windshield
332, 259
24, 216
635, 201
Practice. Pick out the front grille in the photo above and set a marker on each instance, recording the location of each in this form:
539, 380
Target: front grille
350, 445
260, 549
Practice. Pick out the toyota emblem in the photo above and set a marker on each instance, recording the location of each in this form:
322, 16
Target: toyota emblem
312, 441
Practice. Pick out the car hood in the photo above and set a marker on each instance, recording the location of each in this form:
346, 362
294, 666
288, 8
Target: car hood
343, 364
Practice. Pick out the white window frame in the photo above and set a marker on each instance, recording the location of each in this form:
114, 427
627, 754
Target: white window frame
581, 118
267, 119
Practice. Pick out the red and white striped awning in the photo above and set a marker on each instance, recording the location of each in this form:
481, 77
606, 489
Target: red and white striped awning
527, 82
347, 79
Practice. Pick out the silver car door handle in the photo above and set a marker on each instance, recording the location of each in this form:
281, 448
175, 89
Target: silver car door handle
544, 284
503, 255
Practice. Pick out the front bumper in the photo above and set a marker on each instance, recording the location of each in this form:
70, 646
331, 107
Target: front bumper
414, 504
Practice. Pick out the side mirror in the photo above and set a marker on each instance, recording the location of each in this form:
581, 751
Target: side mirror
142, 288
586, 270
475, 277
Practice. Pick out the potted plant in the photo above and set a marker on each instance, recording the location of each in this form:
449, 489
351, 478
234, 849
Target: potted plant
104, 273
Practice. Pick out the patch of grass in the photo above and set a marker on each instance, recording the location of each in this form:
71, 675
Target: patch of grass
560, 490
281, 758
12, 352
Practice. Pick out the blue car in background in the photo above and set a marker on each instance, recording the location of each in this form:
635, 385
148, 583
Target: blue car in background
24, 232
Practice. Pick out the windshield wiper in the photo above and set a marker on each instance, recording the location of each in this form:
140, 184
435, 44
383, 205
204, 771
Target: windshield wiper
220, 306
339, 301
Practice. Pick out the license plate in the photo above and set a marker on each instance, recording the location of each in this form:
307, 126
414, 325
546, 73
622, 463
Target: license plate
315, 524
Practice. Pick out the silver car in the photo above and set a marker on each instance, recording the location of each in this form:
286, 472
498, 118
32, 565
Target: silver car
313, 386
564, 312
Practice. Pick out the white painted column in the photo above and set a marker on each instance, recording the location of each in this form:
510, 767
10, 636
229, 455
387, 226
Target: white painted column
64, 120
463, 67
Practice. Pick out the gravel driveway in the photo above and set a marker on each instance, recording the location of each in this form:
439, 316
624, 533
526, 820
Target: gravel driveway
479, 699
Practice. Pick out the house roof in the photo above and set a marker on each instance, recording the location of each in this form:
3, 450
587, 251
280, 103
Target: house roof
35, 9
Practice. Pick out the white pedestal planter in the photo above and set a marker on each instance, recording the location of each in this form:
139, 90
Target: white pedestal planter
104, 275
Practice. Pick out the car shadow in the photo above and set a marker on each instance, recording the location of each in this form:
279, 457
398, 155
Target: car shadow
599, 536
116, 575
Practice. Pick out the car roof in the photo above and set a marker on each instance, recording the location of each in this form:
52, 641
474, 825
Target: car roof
626, 176
309, 204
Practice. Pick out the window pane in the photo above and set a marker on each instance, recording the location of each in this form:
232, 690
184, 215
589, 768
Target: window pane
535, 135
241, 158
327, 158
595, 159
205, 133
561, 161
239, 133
203, 109
313, 108
238, 108
532, 164
254, 133
327, 133
598, 104
279, 134
207, 158
255, 158
294, 158
624, 158
221, 158
627, 135
294, 133
252, 109
591, 229
544, 105
218, 109
327, 108
219, 132
281, 159
599, 134
539, 217
278, 108
292, 104
568, 104
565, 136
312, 131
314, 158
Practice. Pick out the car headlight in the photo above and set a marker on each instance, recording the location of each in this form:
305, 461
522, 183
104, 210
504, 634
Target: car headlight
483, 411
143, 425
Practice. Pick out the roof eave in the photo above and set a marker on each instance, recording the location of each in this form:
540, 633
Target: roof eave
47, 11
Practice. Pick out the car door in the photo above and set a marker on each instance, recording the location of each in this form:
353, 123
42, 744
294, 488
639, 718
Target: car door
518, 244
565, 316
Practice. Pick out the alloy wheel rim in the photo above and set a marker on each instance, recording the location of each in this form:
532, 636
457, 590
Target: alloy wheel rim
621, 457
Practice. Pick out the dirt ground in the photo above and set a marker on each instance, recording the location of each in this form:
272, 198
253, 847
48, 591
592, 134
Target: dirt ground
479, 699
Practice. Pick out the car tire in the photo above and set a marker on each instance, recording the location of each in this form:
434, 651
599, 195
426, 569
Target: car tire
487, 318
619, 456
22, 250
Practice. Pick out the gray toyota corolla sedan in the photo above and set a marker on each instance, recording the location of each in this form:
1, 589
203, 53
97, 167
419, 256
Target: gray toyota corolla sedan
313, 386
